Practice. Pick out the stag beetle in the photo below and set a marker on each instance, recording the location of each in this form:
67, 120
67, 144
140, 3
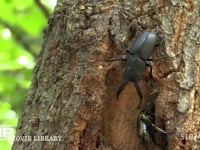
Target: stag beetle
135, 60
146, 125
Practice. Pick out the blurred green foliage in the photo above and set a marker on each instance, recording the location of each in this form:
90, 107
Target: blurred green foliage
21, 32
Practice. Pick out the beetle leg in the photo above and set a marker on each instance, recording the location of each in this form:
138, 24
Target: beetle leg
149, 59
115, 59
157, 59
158, 43
158, 129
120, 89
139, 92
150, 123
150, 74
156, 115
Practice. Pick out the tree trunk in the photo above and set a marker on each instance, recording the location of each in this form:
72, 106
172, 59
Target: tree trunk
73, 92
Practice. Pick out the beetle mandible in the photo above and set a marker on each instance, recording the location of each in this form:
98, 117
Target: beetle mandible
135, 60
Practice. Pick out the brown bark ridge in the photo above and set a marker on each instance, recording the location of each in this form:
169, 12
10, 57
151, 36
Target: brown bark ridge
73, 91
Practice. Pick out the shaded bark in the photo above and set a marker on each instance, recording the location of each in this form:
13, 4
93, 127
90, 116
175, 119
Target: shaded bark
73, 92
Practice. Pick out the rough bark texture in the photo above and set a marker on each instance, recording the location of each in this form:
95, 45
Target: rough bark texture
73, 91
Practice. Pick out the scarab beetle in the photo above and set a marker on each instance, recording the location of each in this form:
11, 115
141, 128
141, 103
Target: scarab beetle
146, 125
135, 61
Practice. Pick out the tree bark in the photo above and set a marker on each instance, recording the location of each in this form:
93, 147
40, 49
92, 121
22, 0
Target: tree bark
73, 92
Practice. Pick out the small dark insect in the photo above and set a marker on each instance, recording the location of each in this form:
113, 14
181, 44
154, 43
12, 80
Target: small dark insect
135, 60
146, 125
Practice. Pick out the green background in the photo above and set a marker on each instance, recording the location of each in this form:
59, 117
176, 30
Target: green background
21, 30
